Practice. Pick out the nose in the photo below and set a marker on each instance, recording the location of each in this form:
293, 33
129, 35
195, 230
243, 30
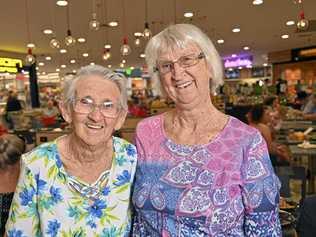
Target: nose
95, 115
177, 71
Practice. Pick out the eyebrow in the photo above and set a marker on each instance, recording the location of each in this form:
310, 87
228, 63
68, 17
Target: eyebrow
168, 60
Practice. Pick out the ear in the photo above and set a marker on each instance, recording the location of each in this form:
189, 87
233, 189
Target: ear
120, 120
65, 112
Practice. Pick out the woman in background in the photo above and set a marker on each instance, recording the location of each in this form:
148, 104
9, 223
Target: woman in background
11, 149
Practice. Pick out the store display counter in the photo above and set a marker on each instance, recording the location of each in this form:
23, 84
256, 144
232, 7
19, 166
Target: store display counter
43, 136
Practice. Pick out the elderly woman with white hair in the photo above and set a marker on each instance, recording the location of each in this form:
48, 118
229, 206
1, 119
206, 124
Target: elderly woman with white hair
79, 184
200, 172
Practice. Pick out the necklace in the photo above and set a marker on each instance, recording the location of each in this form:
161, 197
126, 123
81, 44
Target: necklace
92, 192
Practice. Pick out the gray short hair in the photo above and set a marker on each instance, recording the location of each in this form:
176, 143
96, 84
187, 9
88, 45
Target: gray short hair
69, 87
179, 36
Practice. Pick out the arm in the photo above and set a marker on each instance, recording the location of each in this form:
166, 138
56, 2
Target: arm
23, 219
260, 191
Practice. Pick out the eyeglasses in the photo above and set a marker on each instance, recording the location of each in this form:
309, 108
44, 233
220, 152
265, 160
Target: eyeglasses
184, 62
107, 108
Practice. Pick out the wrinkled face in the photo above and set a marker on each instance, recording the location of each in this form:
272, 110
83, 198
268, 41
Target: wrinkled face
187, 86
94, 128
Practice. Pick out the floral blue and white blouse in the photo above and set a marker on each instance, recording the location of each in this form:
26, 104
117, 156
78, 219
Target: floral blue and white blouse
47, 201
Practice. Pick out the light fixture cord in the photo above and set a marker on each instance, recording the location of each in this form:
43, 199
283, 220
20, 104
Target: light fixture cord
124, 23
175, 11
68, 16
146, 11
105, 18
27, 22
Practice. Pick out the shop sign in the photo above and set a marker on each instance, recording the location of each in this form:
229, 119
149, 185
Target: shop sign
9, 64
239, 61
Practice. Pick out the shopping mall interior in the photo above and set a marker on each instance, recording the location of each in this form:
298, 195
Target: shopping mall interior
268, 53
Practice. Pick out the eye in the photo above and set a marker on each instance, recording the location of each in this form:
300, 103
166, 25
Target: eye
187, 60
86, 101
166, 65
108, 105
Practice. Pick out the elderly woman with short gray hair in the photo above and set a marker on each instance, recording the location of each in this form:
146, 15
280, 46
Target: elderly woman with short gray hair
79, 184
199, 172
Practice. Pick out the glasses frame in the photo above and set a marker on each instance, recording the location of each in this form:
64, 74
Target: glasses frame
94, 106
200, 56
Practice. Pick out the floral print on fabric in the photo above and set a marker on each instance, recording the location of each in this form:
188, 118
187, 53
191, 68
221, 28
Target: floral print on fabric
45, 204
224, 188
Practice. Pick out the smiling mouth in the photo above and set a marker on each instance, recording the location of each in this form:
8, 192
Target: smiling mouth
183, 85
94, 126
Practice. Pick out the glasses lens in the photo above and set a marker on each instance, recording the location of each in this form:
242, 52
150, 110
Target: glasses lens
84, 105
109, 109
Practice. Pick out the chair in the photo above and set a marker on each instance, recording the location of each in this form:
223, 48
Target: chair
288, 173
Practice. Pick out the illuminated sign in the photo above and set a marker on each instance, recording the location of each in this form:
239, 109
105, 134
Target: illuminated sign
9, 65
241, 61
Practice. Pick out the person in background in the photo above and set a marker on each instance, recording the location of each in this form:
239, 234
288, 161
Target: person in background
273, 112
257, 118
309, 111
13, 105
80, 184
11, 149
50, 114
199, 171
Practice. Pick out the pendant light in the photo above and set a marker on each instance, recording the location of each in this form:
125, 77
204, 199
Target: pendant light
107, 47
69, 40
147, 32
54, 43
125, 48
106, 54
94, 24
137, 41
303, 23
29, 59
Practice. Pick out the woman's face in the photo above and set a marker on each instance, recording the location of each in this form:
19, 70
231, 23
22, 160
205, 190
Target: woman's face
186, 86
94, 128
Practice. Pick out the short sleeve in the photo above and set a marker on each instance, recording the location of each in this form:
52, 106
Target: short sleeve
23, 218
260, 190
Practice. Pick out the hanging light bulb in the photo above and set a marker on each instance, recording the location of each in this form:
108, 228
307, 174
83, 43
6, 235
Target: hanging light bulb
137, 42
94, 24
147, 32
303, 23
69, 40
125, 49
29, 59
54, 43
106, 55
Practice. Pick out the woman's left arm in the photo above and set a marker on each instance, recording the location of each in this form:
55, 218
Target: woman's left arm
260, 191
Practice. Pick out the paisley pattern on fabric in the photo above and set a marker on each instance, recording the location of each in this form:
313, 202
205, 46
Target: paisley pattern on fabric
224, 188
50, 202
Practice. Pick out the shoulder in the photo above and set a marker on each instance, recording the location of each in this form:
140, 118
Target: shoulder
125, 147
242, 130
40, 155
149, 124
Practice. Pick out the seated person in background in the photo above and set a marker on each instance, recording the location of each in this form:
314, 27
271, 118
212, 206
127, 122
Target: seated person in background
278, 153
309, 111
306, 225
274, 112
50, 114
11, 149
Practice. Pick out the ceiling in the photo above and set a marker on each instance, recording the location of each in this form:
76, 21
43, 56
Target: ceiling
261, 27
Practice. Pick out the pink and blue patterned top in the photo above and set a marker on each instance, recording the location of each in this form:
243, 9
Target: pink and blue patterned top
224, 188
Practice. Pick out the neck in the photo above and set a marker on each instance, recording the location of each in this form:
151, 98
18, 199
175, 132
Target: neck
9, 178
196, 116
85, 153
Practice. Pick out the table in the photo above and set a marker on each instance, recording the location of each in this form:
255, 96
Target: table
297, 125
311, 154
